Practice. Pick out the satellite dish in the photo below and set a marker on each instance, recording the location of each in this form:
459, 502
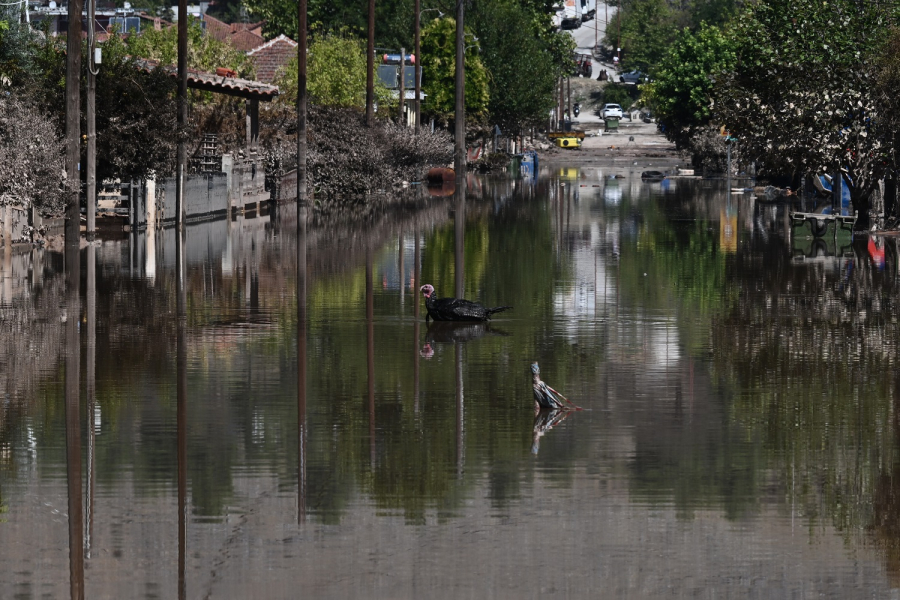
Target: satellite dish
52, 4
127, 5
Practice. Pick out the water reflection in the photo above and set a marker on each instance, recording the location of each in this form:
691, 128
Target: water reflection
743, 388
73, 420
545, 420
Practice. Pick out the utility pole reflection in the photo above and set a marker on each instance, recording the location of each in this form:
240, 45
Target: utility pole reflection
416, 324
370, 353
73, 425
181, 359
91, 390
301, 364
459, 230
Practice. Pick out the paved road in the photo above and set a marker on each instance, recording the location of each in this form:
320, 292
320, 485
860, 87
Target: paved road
591, 33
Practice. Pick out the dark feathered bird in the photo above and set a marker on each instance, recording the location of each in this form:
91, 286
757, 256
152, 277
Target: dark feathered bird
455, 309
544, 395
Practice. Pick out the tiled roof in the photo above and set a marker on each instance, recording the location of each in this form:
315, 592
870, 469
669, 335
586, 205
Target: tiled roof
222, 84
245, 40
271, 56
243, 36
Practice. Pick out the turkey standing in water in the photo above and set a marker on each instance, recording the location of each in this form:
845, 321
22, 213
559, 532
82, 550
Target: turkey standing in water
455, 309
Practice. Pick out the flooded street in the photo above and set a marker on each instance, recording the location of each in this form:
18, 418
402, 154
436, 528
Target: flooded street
239, 431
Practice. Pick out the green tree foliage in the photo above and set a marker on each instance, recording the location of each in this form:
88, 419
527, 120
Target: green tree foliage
135, 117
336, 73
645, 29
439, 71
683, 82
205, 53
523, 72
802, 97
888, 82
394, 19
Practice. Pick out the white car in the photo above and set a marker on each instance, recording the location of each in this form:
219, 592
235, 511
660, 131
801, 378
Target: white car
611, 111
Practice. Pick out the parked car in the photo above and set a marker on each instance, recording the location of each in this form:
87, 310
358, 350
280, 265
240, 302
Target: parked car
633, 77
611, 111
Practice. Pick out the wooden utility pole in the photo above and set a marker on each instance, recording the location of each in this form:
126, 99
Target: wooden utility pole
459, 115
73, 131
301, 110
370, 68
418, 64
91, 118
180, 157
402, 89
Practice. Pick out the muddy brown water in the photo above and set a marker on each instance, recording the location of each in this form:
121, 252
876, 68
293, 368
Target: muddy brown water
239, 428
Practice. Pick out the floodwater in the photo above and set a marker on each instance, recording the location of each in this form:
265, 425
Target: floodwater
204, 420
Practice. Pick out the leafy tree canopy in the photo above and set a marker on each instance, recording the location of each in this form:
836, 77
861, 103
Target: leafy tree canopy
683, 82
336, 73
205, 53
802, 94
439, 71
645, 29
523, 72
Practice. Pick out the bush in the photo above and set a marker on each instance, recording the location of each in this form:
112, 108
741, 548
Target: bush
32, 163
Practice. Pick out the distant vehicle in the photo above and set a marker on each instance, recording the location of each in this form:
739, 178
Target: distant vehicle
584, 66
575, 12
568, 142
633, 77
611, 111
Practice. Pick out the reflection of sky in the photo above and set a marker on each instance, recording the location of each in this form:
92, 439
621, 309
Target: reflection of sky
388, 265
592, 287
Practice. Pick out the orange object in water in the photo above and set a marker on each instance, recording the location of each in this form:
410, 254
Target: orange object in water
440, 174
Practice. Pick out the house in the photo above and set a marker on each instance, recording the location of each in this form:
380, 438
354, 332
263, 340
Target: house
243, 36
271, 56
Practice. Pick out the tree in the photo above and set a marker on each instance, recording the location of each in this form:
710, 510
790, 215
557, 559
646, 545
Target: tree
439, 68
802, 98
336, 73
31, 157
135, 117
205, 53
683, 82
644, 29
523, 73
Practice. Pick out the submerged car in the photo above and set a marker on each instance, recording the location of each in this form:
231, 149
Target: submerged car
611, 111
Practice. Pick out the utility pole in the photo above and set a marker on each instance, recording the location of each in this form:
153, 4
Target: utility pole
402, 96
460, 110
370, 68
91, 118
73, 134
301, 113
418, 65
181, 107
